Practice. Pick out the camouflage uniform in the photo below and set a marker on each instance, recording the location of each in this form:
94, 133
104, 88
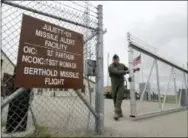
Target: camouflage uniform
117, 72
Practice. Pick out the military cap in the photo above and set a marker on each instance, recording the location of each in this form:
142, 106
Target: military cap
115, 57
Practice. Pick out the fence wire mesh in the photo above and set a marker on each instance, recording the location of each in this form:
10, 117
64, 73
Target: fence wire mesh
160, 86
47, 112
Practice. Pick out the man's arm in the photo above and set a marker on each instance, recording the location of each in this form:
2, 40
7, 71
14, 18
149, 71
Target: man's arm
115, 71
127, 70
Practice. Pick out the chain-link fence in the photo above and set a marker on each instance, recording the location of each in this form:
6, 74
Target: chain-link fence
48, 112
160, 85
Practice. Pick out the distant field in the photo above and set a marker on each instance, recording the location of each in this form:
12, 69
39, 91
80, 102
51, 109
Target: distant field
171, 99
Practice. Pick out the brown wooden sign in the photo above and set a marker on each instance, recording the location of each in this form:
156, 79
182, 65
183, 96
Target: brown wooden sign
49, 56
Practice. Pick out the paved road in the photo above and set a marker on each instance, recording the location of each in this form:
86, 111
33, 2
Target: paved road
171, 125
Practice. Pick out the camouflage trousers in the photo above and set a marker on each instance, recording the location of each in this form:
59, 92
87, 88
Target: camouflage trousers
117, 95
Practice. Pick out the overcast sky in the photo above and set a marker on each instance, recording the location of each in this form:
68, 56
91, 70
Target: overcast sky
160, 24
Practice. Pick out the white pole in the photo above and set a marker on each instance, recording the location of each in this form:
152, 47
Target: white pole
186, 86
167, 89
142, 69
158, 83
132, 82
146, 85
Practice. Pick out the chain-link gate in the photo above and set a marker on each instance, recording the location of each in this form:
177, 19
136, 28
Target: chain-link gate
52, 112
161, 85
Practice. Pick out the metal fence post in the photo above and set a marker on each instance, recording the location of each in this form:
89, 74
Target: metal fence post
167, 89
186, 88
99, 103
158, 83
136, 45
175, 86
132, 83
72, 107
146, 85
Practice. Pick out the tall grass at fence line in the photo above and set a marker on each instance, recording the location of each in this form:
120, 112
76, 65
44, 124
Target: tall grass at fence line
171, 99
45, 132
3, 123
41, 131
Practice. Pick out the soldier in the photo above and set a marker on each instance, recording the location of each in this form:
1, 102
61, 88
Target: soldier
116, 72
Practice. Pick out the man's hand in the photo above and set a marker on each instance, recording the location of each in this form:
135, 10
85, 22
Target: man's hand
129, 79
136, 69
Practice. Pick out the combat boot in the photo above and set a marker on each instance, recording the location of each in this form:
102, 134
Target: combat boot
116, 117
118, 111
120, 114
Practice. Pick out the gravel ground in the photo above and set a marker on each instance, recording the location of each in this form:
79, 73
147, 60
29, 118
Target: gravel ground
72, 116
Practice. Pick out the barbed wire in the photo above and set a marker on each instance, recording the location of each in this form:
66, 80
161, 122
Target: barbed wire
169, 87
135, 40
83, 6
71, 8
53, 110
77, 16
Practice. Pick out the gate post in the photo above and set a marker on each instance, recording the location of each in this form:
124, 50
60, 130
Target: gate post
131, 76
99, 101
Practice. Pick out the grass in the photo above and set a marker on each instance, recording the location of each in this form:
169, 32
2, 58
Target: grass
3, 123
41, 132
171, 99
47, 133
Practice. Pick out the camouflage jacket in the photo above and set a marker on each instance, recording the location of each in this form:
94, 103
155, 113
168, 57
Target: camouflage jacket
116, 73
